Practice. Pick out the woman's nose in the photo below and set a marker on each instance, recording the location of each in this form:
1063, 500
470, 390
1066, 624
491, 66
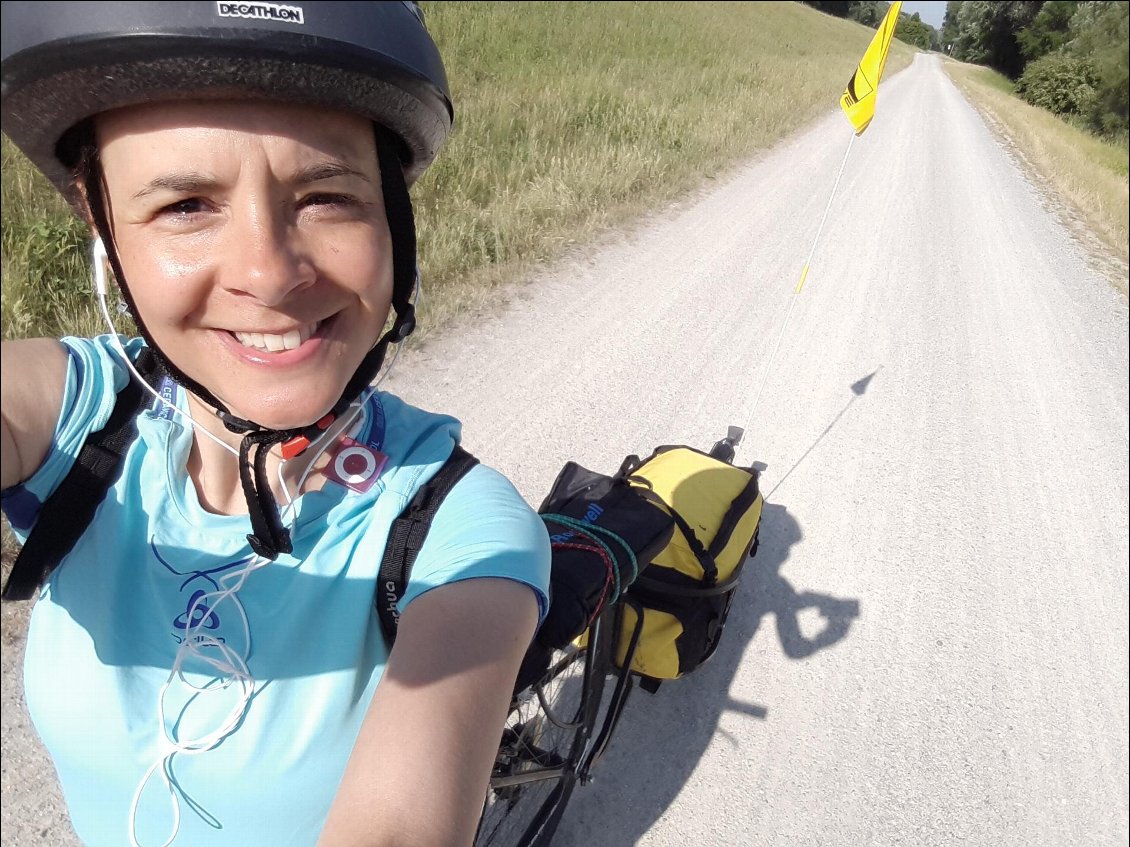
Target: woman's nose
264, 257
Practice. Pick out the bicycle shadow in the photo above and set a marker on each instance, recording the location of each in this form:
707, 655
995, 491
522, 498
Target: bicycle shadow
660, 740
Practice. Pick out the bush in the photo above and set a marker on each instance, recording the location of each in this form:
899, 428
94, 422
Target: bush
1100, 32
1060, 84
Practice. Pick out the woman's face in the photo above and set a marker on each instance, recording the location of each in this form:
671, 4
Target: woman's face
254, 242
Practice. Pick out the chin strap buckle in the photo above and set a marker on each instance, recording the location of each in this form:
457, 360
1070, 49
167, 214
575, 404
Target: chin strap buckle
297, 446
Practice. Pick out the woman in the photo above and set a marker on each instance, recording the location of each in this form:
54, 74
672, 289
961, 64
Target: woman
203, 667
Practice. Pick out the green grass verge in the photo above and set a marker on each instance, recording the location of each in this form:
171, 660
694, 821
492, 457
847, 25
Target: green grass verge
1088, 174
571, 118
44, 266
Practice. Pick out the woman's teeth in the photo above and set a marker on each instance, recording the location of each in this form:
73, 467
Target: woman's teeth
276, 343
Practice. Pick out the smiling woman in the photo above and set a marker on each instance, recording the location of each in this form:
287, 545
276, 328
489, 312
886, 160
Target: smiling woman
205, 665
257, 247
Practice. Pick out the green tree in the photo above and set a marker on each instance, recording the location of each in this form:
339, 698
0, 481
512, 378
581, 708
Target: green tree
1049, 30
1059, 83
869, 12
912, 30
949, 25
1100, 33
839, 8
987, 33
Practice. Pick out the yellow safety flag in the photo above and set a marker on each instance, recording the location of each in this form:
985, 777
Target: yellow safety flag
858, 100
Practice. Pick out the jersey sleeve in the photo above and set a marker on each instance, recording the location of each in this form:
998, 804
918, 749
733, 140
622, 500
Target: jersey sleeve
95, 374
483, 529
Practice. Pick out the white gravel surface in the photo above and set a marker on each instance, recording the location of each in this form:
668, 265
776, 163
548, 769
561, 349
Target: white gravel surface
931, 646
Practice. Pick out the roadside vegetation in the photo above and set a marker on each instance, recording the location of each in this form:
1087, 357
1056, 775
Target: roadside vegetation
571, 119
911, 28
1068, 57
1053, 78
1088, 172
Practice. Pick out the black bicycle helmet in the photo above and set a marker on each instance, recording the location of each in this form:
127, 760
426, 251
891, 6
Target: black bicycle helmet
64, 62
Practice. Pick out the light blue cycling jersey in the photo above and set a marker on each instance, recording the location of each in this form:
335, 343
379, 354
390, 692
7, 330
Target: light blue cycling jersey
109, 622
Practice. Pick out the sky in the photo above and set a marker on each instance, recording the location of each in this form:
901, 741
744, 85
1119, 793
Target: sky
930, 11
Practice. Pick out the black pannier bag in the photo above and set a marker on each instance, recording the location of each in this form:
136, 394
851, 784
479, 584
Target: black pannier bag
669, 536
603, 530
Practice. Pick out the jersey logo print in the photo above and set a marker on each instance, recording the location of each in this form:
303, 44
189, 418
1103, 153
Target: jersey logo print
202, 615
197, 614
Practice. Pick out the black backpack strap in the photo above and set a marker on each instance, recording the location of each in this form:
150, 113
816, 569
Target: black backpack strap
66, 514
704, 556
406, 538
740, 505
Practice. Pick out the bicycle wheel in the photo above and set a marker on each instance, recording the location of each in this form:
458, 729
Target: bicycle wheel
543, 745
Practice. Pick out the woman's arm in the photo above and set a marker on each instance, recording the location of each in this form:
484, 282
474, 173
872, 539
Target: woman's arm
32, 380
419, 771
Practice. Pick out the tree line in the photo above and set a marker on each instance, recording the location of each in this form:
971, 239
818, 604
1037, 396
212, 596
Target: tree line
911, 28
1067, 56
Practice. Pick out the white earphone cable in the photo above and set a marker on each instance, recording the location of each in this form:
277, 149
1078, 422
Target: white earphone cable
230, 667
101, 287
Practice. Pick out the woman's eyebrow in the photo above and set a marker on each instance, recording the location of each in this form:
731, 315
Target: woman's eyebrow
192, 182
326, 170
188, 182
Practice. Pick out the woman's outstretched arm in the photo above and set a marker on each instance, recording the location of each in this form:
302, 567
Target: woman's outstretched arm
419, 771
32, 378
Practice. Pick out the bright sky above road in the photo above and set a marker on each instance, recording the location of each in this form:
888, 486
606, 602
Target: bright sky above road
932, 12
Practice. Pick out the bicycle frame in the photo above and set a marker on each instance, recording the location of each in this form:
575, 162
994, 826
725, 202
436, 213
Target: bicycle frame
605, 631
595, 671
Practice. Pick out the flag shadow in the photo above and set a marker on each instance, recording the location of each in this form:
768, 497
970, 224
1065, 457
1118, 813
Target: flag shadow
858, 389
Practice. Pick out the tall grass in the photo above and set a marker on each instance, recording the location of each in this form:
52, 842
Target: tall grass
45, 270
571, 118
1090, 174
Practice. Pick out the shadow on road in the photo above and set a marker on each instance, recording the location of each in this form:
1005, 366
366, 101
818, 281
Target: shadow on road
858, 389
661, 738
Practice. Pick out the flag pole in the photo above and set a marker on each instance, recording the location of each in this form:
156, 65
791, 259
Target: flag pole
858, 104
796, 291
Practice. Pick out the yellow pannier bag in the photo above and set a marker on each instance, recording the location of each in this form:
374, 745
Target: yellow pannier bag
674, 613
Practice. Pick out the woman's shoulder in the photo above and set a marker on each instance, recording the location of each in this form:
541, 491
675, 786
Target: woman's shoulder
104, 346
398, 413
484, 528
422, 441
94, 374
416, 442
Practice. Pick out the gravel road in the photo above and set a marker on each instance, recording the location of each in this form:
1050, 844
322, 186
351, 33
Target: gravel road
931, 646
